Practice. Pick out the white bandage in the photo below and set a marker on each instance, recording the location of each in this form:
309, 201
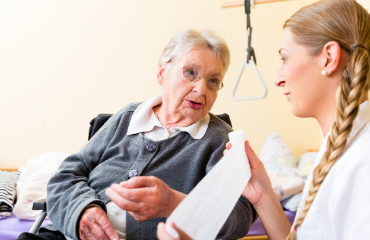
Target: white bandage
204, 211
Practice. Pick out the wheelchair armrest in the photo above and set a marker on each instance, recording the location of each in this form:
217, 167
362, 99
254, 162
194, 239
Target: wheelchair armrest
39, 205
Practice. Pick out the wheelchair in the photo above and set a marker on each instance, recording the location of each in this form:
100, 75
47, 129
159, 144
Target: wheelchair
95, 125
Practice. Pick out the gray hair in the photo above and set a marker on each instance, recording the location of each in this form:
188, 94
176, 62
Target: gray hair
189, 39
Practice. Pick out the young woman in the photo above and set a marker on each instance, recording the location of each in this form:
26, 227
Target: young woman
325, 74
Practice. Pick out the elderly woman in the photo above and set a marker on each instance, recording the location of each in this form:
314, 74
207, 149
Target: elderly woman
141, 164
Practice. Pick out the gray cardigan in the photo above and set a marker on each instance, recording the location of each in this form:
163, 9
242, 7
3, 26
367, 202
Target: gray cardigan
180, 161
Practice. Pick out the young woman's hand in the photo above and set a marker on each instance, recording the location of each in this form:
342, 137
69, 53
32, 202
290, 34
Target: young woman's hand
259, 184
162, 233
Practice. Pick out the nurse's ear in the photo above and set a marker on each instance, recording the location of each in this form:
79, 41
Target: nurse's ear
161, 72
330, 59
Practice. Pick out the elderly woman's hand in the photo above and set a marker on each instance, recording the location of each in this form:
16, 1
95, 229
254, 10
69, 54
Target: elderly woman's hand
94, 224
145, 197
162, 233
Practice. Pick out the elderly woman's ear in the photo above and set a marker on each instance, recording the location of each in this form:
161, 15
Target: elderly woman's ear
160, 77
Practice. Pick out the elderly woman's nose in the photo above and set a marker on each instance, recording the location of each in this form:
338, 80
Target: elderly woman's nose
200, 86
279, 78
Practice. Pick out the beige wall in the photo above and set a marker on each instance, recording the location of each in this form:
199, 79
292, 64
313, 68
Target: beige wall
63, 62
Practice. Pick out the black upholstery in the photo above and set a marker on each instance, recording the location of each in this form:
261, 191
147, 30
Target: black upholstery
98, 122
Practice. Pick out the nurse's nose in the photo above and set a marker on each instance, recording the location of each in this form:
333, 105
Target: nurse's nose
279, 78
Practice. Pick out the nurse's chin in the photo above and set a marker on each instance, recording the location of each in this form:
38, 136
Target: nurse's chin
301, 113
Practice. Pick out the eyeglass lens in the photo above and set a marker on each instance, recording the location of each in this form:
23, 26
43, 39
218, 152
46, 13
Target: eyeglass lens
193, 74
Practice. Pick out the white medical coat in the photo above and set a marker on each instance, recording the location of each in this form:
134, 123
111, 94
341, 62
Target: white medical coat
341, 209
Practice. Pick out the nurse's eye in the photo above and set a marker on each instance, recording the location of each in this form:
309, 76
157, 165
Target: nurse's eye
284, 59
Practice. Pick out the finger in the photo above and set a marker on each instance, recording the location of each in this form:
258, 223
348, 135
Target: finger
122, 202
252, 157
183, 235
138, 217
162, 234
86, 232
97, 232
133, 194
104, 223
228, 145
139, 182
82, 235
225, 151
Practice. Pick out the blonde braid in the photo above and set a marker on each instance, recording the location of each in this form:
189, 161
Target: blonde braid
349, 30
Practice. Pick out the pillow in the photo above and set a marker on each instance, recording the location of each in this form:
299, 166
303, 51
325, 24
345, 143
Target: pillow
281, 167
31, 185
277, 157
305, 163
285, 186
7, 192
292, 203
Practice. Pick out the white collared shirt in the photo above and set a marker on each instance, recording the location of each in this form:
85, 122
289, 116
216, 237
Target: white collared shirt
144, 121
341, 207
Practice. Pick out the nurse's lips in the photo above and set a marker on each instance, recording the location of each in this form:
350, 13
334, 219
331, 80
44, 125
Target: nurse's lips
194, 105
287, 95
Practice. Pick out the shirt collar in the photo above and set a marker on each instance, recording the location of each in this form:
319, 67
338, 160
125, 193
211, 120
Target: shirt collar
144, 120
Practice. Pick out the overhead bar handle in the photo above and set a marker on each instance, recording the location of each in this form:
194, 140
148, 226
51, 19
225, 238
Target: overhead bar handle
251, 54
248, 65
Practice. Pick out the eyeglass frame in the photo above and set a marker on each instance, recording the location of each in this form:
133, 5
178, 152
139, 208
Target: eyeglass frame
200, 77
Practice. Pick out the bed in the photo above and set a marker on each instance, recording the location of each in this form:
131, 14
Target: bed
12, 227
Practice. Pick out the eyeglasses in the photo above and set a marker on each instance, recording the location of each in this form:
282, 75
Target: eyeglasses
193, 74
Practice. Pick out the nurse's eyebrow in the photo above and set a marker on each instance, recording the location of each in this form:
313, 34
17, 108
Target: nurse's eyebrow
282, 49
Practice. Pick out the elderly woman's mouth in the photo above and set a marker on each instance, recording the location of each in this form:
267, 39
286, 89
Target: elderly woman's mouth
194, 105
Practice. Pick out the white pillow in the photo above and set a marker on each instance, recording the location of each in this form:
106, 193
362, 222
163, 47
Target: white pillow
277, 157
292, 203
31, 185
305, 163
281, 167
285, 186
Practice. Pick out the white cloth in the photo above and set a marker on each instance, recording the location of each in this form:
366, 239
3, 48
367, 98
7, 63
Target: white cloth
144, 121
205, 210
32, 182
341, 207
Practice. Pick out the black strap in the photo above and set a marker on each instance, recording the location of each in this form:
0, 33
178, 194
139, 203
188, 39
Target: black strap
250, 50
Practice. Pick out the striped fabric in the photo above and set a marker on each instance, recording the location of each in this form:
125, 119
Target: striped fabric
7, 184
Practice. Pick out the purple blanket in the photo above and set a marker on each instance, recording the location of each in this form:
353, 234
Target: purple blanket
257, 227
12, 227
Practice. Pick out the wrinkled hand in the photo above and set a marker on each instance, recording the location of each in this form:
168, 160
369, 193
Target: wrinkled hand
94, 225
162, 234
145, 197
260, 183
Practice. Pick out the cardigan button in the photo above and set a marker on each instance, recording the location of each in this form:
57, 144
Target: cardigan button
151, 147
133, 173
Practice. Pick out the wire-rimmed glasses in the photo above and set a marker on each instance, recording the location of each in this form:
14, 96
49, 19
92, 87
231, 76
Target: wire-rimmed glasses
193, 74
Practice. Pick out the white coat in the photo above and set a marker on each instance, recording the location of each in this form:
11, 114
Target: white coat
341, 209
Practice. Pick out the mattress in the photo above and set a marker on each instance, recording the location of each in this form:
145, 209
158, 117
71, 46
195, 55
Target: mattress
12, 227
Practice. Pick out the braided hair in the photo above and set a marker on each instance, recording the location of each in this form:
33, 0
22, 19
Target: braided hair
347, 23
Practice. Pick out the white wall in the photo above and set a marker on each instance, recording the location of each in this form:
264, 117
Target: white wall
63, 62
